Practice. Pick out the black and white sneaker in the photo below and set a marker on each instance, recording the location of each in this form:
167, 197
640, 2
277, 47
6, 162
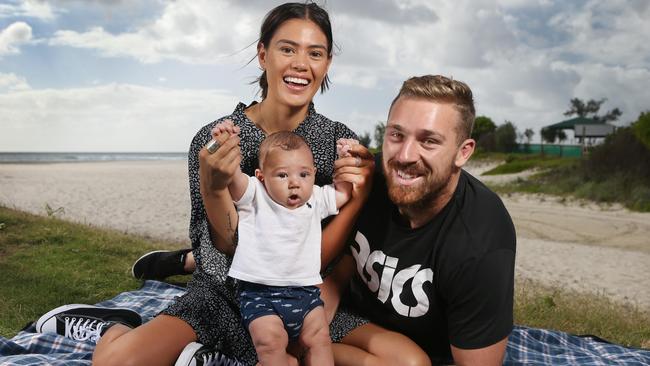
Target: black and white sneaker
85, 322
196, 354
160, 264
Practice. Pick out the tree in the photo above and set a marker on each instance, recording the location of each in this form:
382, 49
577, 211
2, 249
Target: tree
380, 130
549, 135
590, 109
529, 133
641, 128
483, 133
482, 126
506, 137
364, 139
561, 135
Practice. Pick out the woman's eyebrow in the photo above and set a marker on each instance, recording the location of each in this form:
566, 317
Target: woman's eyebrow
296, 44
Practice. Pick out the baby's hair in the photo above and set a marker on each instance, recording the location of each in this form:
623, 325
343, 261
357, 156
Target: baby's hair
284, 140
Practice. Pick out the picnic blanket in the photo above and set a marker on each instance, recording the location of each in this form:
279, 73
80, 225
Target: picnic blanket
526, 346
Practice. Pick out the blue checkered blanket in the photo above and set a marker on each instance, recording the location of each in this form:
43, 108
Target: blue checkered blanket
526, 345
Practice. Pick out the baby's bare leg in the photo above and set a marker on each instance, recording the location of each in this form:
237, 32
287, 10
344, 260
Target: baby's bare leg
270, 340
315, 337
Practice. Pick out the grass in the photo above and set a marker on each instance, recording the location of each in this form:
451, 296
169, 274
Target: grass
515, 163
566, 181
578, 313
46, 262
568, 177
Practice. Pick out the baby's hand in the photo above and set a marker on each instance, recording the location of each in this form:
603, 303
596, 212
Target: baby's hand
226, 128
343, 146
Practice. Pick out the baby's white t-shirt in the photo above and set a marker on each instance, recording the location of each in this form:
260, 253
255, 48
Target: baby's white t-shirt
278, 246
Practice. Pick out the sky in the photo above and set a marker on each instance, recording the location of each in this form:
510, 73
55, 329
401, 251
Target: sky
145, 75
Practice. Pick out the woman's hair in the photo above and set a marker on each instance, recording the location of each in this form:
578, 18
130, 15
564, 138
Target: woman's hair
437, 88
284, 140
276, 17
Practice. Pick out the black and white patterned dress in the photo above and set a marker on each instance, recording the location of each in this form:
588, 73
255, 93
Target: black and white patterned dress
210, 305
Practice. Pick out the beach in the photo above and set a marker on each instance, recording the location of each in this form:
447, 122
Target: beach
567, 243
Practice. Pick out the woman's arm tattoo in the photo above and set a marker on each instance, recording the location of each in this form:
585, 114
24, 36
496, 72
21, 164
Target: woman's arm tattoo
232, 231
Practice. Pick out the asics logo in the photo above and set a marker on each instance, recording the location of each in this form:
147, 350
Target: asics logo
391, 281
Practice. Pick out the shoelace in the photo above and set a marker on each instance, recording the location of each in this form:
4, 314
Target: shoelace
218, 359
83, 329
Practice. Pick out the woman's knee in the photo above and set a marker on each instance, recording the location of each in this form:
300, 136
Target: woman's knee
157, 342
415, 357
115, 357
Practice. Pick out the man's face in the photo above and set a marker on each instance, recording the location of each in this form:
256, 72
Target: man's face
420, 151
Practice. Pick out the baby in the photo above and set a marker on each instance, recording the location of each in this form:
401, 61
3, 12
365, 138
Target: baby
277, 259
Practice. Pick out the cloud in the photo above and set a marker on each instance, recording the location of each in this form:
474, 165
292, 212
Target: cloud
14, 35
110, 117
524, 59
194, 32
12, 82
28, 8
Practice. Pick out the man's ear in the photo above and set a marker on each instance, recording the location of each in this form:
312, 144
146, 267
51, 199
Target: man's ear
465, 151
259, 175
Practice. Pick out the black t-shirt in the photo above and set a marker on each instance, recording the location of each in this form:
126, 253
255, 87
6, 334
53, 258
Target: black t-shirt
448, 282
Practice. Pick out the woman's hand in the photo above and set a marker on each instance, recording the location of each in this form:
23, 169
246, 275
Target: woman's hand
356, 167
217, 169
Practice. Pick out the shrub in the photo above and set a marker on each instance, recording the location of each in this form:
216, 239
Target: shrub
642, 128
622, 152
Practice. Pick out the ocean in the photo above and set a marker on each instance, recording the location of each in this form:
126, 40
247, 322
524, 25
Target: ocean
71, 157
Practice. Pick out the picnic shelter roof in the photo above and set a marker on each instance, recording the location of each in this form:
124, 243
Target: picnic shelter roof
569, 124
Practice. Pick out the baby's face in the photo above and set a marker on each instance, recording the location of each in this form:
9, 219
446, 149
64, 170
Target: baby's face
289, 176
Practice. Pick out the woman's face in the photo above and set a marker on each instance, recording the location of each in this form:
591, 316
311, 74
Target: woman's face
296, 61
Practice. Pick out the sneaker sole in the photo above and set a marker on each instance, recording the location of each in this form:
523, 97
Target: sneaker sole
145, 255
187, 356
52, 313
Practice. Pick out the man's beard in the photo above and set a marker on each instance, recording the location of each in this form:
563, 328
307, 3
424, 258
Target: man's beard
421, 195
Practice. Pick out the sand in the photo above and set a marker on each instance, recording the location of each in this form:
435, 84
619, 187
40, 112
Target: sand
571, 244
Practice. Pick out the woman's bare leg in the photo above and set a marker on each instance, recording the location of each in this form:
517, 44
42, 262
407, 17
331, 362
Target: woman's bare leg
371, 344
157, 342
190, 264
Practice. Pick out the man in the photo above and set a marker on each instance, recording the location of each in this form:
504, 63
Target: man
434, 248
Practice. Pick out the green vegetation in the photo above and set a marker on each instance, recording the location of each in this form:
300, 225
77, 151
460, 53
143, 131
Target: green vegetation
515, 163
617, 171
552, 308
46, 262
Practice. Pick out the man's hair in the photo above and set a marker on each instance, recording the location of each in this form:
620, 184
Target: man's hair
284, 140
437, 88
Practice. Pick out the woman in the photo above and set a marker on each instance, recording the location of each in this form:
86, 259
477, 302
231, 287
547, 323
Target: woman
295, 51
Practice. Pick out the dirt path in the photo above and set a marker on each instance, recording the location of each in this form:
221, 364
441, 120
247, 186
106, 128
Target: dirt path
578, 245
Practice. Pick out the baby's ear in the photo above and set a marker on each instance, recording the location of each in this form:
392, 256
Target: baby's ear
259, 175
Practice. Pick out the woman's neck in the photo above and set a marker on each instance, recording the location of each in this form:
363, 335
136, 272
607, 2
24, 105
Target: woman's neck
272, 117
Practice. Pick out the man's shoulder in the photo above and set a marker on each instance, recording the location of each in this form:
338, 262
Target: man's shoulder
482, 222
478, 202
